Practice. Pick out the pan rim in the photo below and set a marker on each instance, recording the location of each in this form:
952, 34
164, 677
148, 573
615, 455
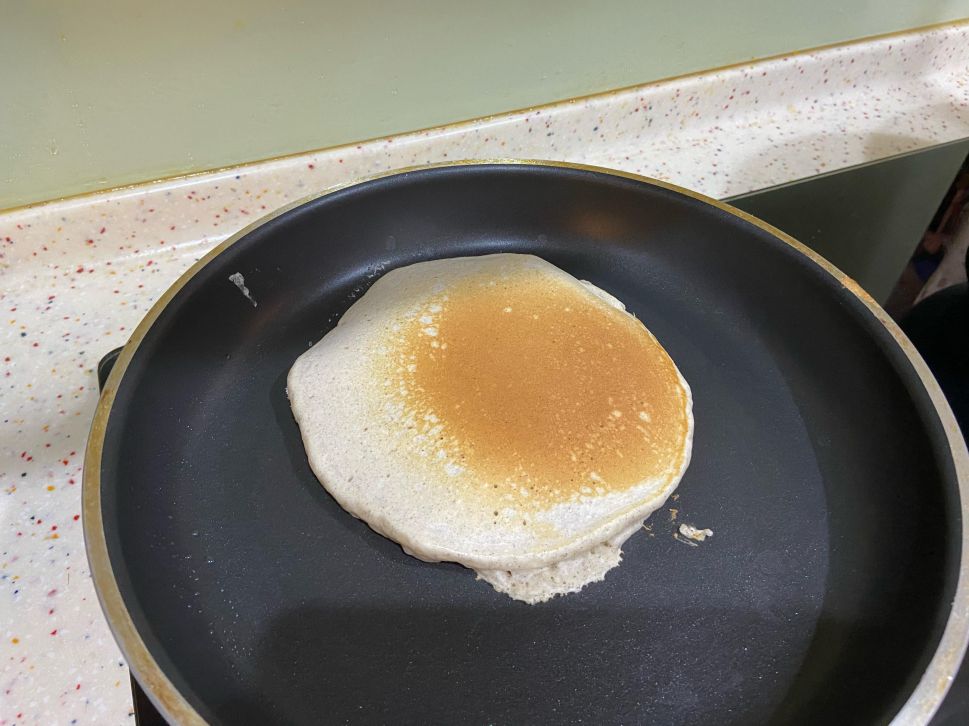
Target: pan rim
175, 707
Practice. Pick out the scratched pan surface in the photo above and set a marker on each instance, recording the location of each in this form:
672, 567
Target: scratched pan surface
820, 464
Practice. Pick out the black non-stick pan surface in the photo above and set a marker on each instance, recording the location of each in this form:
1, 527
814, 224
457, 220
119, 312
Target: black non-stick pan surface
242, 593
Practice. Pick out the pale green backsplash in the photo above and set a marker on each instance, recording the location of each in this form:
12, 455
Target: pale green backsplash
99, 94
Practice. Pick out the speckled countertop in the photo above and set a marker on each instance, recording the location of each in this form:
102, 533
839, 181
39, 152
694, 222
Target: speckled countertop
77, 275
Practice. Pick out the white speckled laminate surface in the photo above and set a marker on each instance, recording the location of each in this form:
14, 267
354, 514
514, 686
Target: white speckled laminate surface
76, 276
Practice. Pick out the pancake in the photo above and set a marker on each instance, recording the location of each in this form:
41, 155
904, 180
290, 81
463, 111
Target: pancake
496, 412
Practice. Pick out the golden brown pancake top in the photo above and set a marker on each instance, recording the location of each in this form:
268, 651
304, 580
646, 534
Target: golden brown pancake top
539, 391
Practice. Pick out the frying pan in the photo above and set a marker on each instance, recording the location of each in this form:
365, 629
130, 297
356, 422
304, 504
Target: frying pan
826, 462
